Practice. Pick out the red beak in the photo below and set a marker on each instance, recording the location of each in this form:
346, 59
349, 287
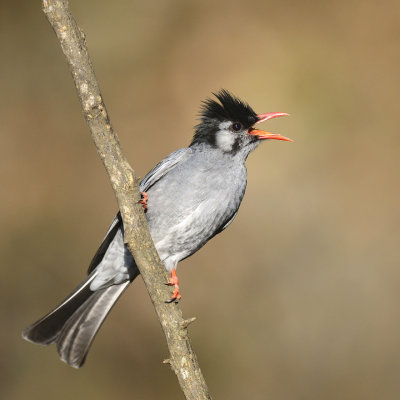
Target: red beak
267, 135
267, 116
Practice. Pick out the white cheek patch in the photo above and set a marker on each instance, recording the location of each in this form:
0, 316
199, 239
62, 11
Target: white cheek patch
225, 138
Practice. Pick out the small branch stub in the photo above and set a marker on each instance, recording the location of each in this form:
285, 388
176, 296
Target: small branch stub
126, 188
187, 322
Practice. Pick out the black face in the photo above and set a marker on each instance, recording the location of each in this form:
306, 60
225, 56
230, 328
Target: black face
213, 113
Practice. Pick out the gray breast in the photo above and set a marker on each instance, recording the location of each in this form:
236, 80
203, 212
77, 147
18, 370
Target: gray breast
192, 202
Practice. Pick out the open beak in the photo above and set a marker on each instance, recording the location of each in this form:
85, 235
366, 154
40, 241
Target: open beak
267, 135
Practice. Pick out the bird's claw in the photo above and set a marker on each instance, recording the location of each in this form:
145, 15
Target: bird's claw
144, 196
173, 300
173, 281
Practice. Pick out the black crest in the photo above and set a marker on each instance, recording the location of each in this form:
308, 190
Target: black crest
229, 108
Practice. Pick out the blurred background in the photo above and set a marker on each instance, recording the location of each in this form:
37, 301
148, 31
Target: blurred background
299, 298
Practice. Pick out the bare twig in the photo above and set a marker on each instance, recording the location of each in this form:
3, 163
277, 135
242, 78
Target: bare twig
125, 183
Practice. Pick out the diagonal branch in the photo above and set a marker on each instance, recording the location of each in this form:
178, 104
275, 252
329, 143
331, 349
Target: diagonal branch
125, 183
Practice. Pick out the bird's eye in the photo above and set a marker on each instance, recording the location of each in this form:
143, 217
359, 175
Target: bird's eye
236, 126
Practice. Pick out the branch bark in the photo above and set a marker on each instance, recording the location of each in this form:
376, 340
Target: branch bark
125, 184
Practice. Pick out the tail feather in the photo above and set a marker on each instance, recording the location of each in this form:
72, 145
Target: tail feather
74, 323
46, 330
78, 333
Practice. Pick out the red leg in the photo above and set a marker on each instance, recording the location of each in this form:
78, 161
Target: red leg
143, 201
173, 281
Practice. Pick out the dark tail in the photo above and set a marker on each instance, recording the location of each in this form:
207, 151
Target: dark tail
47, 329
76, 336
74, 323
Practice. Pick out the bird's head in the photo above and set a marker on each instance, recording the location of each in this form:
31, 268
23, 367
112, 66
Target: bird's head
229, 125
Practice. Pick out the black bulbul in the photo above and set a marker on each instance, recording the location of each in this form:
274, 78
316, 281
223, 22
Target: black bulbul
190, 196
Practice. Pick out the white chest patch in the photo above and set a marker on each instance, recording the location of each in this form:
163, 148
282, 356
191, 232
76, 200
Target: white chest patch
225, 137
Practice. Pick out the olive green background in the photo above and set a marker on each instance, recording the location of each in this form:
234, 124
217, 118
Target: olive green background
299, 298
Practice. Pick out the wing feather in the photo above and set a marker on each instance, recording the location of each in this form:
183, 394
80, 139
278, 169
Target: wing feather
163, 167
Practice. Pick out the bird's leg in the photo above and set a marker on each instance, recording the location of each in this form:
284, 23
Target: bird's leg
173, 281
144, 196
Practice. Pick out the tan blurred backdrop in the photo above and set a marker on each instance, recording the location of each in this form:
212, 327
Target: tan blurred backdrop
299, 298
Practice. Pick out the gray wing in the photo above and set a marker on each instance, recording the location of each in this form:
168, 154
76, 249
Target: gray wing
112, 231
163, 167
112, 260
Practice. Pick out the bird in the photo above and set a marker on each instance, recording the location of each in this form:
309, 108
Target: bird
189, 197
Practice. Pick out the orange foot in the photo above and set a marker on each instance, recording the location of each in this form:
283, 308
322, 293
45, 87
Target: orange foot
143, 201
173, 281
